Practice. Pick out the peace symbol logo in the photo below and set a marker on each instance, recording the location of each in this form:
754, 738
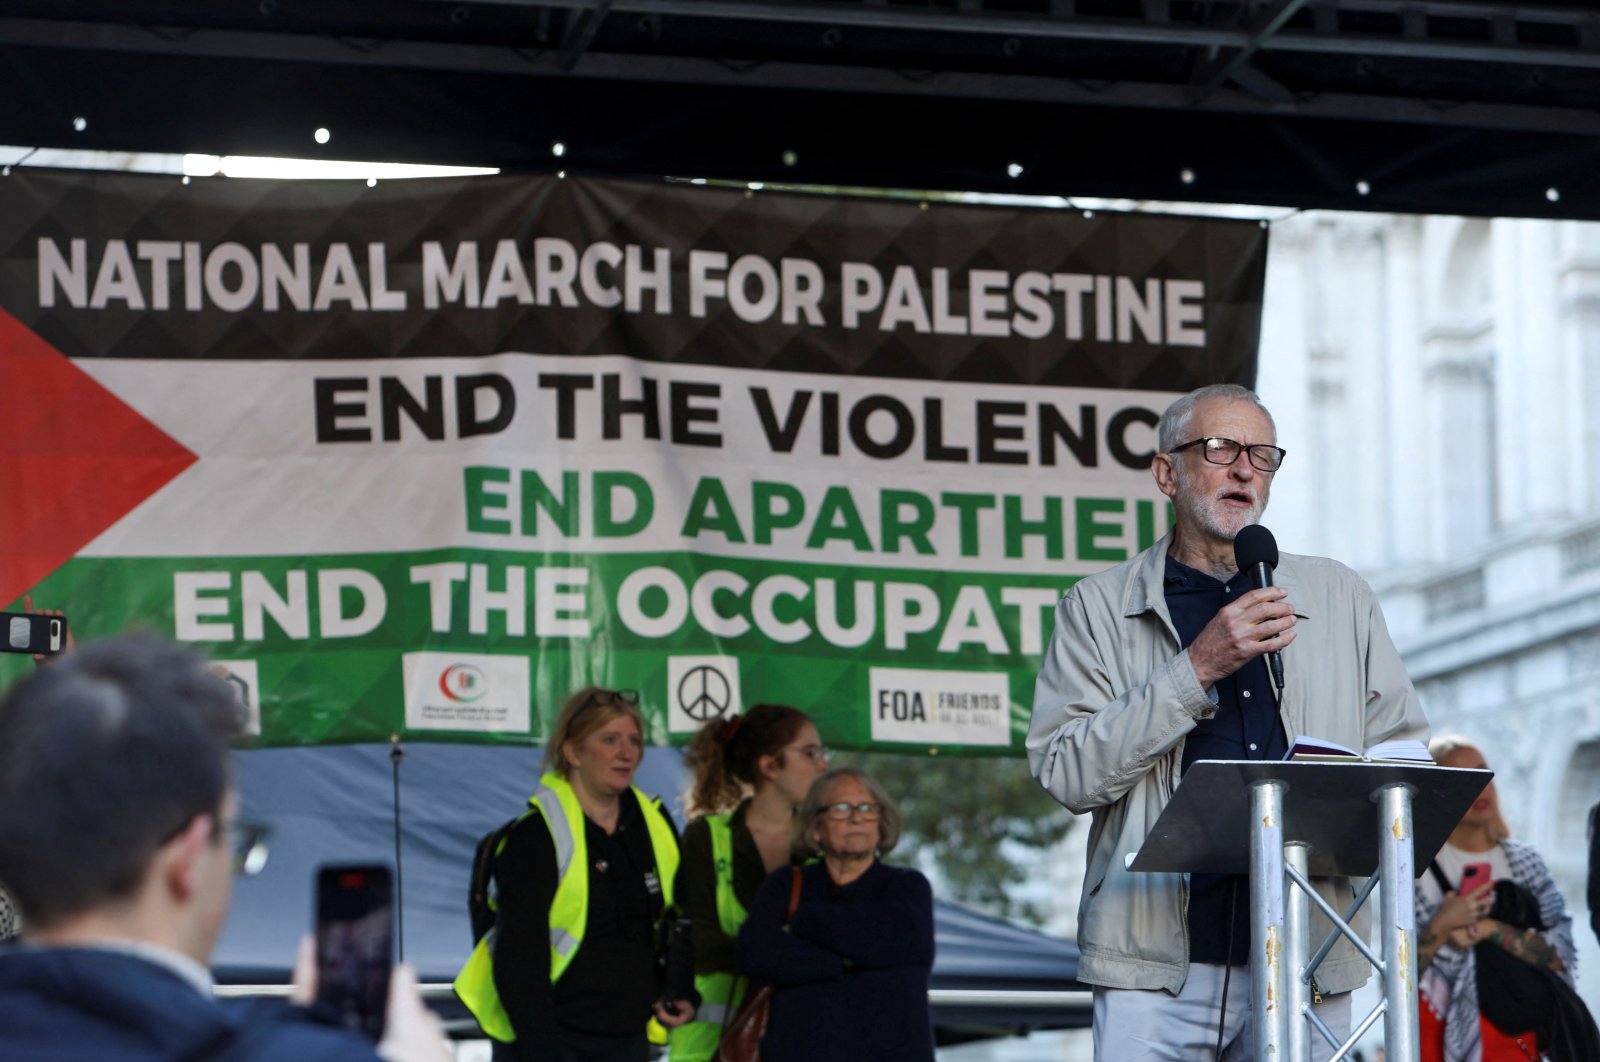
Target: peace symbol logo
704, 693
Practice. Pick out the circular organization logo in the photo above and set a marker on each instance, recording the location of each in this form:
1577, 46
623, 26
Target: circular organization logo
463, 683
704, 693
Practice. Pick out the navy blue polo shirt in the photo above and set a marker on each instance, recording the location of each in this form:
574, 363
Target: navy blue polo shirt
1245, 727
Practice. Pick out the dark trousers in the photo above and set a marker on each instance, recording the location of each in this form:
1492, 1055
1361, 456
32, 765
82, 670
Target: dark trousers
583, 1047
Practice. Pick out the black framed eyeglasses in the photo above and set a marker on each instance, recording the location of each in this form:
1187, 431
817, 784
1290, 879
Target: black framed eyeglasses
1225, 452
843, 809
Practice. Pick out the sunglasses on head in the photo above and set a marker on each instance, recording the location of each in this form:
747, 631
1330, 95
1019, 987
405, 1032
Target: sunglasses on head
611, 698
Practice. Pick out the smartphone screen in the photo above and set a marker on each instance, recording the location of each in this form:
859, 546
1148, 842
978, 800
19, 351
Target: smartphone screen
355, 944
29, 632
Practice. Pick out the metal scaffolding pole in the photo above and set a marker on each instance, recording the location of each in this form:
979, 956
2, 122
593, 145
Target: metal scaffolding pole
1297, 951
1396, 889
1267, 981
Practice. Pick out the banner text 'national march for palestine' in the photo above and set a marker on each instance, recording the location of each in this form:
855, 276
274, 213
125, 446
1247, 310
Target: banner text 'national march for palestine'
166, 275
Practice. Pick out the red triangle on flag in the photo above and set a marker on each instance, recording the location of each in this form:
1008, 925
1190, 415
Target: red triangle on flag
74, 458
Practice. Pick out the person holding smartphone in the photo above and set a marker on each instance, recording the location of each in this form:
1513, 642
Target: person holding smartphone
1481, 891
571, 971
751, 772
120, 836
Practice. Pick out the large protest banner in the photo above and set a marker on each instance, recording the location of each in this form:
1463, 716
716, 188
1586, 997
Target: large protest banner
418, 459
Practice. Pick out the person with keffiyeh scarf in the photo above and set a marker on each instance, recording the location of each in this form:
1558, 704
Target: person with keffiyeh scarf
1454, 1028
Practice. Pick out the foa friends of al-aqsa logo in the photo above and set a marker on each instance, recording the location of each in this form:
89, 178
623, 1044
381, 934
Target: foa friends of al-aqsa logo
926, 707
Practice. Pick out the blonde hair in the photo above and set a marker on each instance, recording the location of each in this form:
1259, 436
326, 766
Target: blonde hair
586, 711
1443, 746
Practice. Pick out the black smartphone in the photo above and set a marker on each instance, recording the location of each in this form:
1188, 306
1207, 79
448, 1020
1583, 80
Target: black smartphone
355, 944
28, 632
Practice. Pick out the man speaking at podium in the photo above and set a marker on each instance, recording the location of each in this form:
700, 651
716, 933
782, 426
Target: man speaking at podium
1163, 661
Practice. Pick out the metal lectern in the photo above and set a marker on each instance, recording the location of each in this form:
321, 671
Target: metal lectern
1285, 822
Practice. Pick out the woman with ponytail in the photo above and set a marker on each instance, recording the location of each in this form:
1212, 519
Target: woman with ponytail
750, 773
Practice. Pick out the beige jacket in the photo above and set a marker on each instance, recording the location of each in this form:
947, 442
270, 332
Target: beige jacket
1115, 698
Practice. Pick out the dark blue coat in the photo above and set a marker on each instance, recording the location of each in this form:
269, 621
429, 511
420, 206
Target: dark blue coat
88, 1005
851, 973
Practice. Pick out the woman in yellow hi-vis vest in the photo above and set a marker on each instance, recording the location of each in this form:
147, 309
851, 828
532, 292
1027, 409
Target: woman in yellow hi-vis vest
750, 772
570, 971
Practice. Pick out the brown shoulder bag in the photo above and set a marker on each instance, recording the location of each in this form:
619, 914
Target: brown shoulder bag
741, 1038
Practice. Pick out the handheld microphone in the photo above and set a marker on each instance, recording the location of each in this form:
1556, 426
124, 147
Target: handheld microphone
1255, 551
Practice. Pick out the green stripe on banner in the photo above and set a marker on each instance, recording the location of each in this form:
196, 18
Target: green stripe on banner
321, 645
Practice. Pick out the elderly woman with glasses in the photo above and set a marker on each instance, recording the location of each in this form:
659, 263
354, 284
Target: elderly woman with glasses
750, 773
584, 881
850, 965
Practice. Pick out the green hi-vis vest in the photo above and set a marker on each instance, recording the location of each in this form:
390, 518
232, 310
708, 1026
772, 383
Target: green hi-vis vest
569, 908
720, 993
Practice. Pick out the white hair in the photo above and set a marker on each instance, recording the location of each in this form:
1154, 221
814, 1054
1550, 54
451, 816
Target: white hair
1174, 424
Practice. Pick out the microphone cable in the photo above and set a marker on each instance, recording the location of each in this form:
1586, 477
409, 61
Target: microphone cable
1227, 971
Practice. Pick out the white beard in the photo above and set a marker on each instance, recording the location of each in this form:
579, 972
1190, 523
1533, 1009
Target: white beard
1216, 518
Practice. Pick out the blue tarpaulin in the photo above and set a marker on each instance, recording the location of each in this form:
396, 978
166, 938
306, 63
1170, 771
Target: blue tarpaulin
337, 804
